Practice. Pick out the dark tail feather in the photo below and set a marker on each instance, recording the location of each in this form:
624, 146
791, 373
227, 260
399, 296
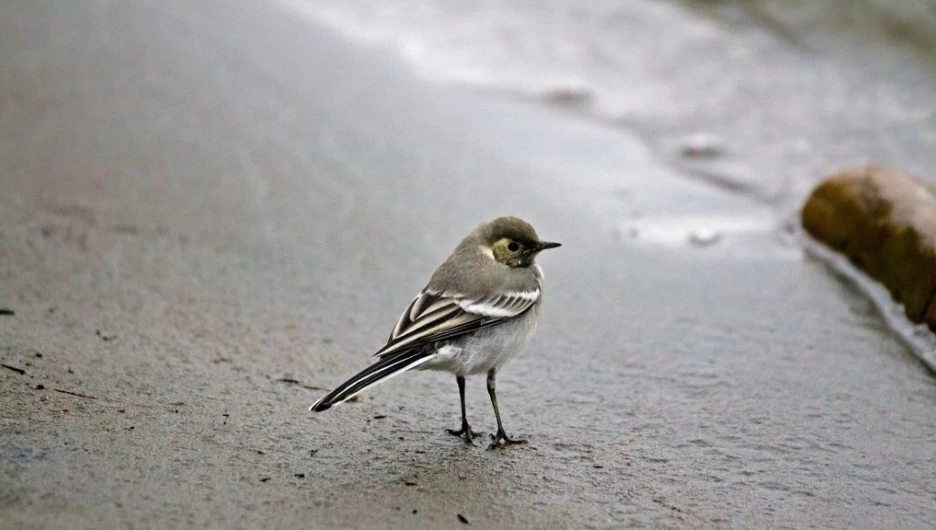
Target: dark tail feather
374, 374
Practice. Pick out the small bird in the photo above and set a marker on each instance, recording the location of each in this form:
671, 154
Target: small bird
478, 310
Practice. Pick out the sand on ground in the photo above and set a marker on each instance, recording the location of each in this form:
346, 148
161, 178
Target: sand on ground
211, 212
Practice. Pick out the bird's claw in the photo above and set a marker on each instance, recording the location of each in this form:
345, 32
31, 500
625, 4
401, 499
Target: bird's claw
500, 440
465, 432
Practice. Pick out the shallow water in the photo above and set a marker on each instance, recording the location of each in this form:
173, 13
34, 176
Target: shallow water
783, 107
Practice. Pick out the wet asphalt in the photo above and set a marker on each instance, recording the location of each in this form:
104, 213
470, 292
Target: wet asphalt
210, 214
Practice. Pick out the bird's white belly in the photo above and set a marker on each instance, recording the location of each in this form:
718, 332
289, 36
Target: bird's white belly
485, 350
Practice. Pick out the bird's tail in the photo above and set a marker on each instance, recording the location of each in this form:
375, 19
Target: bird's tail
374, 374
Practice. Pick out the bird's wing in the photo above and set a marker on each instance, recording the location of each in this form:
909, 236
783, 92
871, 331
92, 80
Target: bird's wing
434, 316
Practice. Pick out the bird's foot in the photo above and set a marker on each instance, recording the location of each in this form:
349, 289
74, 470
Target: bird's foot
501, 440
465, 432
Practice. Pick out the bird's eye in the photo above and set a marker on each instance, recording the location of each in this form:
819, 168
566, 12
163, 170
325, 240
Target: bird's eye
513, 246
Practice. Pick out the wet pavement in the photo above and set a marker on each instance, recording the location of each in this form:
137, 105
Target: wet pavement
210, 213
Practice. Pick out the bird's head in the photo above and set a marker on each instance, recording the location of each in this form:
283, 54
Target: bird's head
511, 241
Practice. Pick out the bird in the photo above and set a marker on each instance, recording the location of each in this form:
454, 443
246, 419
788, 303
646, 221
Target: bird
479, 309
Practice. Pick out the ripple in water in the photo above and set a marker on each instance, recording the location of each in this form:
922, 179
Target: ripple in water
917, 337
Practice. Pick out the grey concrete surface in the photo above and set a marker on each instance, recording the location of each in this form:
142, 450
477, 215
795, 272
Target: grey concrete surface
198, 200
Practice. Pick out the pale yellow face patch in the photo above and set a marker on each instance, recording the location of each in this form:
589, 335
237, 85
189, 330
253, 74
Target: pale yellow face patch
508, 252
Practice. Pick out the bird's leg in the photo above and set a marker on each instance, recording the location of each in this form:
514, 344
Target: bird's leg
465, 428
500, 439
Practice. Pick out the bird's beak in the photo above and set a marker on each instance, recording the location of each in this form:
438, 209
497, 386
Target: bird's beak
543, 245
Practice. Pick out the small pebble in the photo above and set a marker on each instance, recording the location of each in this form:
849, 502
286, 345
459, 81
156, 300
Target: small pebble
703, 237
570, 92
701, 146
462, 518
